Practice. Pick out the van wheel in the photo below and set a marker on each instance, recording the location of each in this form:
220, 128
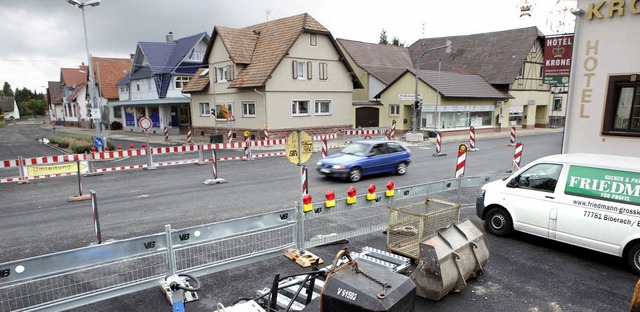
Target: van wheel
633, 257
498, 222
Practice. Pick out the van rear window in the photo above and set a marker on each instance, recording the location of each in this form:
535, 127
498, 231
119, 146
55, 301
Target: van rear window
612, 185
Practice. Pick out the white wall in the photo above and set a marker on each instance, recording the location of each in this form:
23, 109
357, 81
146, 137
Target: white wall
603, 47
147, 90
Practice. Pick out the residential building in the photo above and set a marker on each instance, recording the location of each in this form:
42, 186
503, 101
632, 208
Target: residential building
107, 72
9, 108
74, 97
377, 65
54, 100
153, 87
511, 61
604, 98
281, 75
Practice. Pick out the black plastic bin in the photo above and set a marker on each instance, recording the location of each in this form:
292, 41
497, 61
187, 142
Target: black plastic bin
215, 138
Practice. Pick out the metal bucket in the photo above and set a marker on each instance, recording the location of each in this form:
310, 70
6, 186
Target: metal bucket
449, 257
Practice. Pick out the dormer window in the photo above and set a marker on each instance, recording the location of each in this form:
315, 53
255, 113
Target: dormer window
181, 82
221, 74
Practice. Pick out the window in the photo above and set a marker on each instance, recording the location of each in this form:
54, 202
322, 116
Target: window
323, 107
557, 104
204, 109
117, 112
622, 110
181, 82
313, 40
124, 88
301, 70
221, 74
394, 109
248, 109
223, 110
137, 86
300, 108
323, 71
543, 177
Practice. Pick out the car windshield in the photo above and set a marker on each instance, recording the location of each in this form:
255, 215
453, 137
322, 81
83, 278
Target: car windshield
357, 149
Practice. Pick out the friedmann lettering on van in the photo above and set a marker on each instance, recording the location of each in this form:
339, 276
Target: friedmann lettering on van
611, 185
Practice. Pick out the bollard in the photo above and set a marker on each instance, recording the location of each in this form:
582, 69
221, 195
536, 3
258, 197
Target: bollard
166, 134
214, 167
229, 135
512, 138
472, 139
439, 145
462, 158
266, 132
517, 156
96, 219
247, 150
393, 128
189, 136
324, 148
80, 196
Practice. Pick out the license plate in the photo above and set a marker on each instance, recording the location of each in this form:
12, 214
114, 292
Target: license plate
324, 170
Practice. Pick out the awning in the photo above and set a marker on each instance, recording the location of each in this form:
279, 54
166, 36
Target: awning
165, 101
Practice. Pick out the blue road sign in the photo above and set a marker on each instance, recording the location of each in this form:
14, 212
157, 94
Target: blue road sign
97, 142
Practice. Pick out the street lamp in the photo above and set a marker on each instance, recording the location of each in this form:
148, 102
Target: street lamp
92, 89
416, 106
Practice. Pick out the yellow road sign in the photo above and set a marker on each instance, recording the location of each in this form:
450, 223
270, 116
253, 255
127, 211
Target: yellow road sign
295, 148
34, 171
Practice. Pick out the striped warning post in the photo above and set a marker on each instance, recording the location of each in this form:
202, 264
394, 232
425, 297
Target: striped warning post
393, 128
189, 136
517, 156
229, 135
53, 159
247, 150
304, 180
462, 159
166, 134
266, 133
324, 148
214, 164
438, 144
472, 139
512, 139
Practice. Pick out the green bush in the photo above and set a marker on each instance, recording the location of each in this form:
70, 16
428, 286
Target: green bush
3, 124
80, 147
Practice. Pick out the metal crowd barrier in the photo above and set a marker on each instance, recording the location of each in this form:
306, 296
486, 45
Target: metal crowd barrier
81, 276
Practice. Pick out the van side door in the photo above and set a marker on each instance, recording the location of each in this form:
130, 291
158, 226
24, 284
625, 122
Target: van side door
532, 199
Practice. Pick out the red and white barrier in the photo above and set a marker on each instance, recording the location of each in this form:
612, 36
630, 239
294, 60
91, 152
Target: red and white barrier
462, 159
10, 163
512, 138
118, 154
472, 139
7, 180
120, 168
53, 159
268, 142
361, 132
166, 134
174, 149
189, 136
517, 156
229, 135
324, 137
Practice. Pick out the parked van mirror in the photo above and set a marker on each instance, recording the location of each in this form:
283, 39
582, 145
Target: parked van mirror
514, 182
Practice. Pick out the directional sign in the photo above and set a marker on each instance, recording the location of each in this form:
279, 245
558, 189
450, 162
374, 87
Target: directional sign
145, 123
296, 147
97, 142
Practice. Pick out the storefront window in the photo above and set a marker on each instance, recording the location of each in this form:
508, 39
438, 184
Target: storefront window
154, 114
454, 120
129, 115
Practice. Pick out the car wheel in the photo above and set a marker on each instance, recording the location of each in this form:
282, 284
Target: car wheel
401, 168
633, 257
498, 222
355, 174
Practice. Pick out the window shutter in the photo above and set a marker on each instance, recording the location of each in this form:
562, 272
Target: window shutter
294, 67
232, 70
214, 76
309, 70
229, 72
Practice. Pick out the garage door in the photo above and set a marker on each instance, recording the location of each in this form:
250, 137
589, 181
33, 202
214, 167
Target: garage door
367, 117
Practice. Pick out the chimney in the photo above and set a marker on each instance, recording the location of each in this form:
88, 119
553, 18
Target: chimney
170, 37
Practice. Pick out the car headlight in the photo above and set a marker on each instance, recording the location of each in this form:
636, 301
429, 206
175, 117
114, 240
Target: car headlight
338, 167
319, 164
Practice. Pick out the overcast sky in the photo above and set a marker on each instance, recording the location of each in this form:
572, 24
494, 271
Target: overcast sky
41, 36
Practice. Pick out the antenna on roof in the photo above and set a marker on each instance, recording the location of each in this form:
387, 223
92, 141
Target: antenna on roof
424, 27
267, 11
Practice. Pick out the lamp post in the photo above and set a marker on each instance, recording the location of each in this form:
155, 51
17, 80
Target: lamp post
92, 88
416, 106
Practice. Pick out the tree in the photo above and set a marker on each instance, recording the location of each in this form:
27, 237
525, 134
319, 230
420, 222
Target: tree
6, 89
396, 42
33, 107
383, 37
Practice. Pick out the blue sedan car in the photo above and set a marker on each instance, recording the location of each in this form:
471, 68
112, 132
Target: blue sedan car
365, 158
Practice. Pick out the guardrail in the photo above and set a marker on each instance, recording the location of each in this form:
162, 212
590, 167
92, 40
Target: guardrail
81, 276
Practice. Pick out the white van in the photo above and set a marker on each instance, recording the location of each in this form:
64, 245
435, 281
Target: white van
587, 200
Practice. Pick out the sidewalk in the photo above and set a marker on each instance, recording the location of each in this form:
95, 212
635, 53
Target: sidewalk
181, 139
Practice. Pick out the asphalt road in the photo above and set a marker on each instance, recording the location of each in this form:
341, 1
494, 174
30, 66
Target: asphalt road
525, 273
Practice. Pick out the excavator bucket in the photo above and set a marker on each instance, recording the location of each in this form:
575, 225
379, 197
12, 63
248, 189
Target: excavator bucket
449, 257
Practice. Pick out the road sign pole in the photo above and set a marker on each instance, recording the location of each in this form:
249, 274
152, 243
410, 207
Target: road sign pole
96, 219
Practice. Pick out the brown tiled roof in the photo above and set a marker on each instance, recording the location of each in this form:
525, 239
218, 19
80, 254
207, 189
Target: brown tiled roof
456, 85
72, 77
198, 82
54, 96
496, 56
6, 103
108, 71
384, 62
262, 47
76, 91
